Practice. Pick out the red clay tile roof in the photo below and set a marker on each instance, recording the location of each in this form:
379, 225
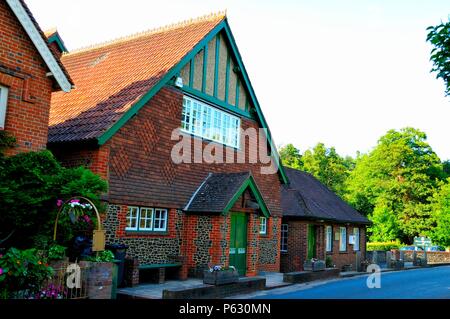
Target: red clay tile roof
111, 77
45, 38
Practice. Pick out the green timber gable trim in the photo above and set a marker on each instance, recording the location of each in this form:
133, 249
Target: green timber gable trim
175, 71
249, 183
57, 39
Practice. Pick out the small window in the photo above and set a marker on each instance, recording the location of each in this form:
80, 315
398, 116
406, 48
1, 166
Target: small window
263, 225
160, 219
146, 219
132, 217
329, 238
356, 234
343, 239
284, 238
3, 105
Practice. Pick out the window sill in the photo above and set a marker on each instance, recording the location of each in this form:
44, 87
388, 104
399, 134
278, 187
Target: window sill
145, 232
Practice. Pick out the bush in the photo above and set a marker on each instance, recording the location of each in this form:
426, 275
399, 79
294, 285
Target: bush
30, 186
101, 257
22, 273
386, 246
329, 262
56, 252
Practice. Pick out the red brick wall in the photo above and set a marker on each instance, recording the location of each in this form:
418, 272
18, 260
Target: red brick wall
23, 71
298, 245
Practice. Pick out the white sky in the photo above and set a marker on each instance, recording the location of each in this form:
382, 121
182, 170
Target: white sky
339, 72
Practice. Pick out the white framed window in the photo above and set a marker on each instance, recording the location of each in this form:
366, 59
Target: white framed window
132, 218
329, 238
284, 238
3, 105
356, 235
263, 225
210, 123
160, 220
146, 219
343, 239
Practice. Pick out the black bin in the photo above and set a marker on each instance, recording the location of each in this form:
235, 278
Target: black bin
119, 251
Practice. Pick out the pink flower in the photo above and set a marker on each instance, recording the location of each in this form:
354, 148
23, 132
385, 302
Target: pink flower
75, 201
59, 202
1, 271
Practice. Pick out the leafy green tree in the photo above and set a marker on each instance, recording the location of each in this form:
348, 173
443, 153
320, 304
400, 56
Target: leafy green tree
397, 178
439, 37
290, 156
327, 166
440, 208
30, 185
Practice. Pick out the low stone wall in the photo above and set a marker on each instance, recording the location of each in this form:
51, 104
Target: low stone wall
306, 276
244, 285
433, 257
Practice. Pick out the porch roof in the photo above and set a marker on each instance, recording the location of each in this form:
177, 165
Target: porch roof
307, 198
220, 191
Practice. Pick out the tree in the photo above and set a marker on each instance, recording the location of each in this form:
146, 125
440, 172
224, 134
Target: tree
30, 185
327, 166
439, 37
290, 156
440, 208
396, 180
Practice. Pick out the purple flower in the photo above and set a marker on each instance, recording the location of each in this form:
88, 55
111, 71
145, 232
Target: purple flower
59, 202
1, 271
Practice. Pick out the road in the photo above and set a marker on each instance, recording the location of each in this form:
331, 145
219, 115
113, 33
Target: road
424, 283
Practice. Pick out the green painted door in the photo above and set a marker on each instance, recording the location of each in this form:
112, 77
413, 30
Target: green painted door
311, 241
238, 242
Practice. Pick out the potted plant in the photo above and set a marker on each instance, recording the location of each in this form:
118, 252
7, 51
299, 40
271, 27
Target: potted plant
220, 275
314, 265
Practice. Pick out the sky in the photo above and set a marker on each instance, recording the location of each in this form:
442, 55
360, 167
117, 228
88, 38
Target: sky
338, 72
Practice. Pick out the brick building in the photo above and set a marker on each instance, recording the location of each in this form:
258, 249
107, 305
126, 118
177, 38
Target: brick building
132, 94
29, 73
318, 224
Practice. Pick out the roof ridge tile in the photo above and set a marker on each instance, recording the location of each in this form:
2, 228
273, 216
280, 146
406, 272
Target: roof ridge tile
207, 17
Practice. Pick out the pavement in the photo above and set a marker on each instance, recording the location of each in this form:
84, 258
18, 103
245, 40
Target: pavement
413, 283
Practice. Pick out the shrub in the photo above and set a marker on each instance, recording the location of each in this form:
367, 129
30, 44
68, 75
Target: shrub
329, 262
22, 271
56, 252
103, 256
386, 246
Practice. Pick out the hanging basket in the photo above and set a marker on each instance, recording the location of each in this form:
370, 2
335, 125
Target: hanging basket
98, 240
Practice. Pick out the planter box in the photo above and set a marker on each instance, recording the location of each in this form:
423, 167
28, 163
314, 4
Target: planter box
318, 265
220, 277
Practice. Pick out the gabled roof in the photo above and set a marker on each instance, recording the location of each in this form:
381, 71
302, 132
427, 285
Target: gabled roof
220, 191
307, 198
53, 36
116, 79
29, 23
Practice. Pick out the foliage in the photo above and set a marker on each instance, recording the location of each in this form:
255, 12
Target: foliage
290, 156
385, 246
393, 183
322, 162
22, 270
30, 185
103, 256
439, 37
56, 252
327, 166
6, 141
329, 262
440, 206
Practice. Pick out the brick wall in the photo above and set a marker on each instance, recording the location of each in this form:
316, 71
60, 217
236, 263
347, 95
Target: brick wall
297, 252
23, 71
137, 163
